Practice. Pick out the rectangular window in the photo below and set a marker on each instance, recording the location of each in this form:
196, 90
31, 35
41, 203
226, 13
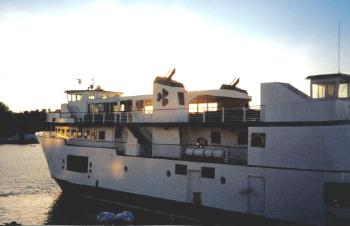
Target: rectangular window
181, 98
91, 97
104, 97
212, 106
180, 169
148, 109
101, 135
320, 91
215, 137
79, 97
79, 134
202, 107
208, 172
74, 97
69, 97
86, 134
139, 105
74, 132
343, 91
258, 140
193, 108
77, 163
93, 135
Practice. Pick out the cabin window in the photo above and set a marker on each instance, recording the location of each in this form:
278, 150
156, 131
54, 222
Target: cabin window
258, 140
343, 91
208, 172
93, 135
203, 107
68, 132
181, 97
320, 91
139, 105
79, 97
215, 137
79, 134
74, 133
58, 130
91, 97
122, 107
86, 134
74, 97
104, 97
101, 135
114, 106
212, 106
180, 169
77, 163
69, 97
148, 106
192, 108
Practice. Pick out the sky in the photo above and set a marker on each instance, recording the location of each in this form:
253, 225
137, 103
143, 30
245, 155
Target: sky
123, 45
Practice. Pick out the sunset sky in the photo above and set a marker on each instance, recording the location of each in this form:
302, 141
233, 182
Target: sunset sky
123, 45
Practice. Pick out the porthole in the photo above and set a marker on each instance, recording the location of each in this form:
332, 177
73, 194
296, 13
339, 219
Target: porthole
223, 180
90, 164
62, 160
168, 173
125, 168
62, 167
90, 170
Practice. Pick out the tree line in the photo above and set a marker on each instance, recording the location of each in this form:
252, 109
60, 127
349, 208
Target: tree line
12, 123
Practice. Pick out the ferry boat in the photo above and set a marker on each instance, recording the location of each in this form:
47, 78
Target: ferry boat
287, 159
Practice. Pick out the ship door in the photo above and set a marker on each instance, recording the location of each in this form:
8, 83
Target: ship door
194, 193
256, 195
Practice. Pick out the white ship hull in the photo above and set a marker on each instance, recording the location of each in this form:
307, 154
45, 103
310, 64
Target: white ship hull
280, 193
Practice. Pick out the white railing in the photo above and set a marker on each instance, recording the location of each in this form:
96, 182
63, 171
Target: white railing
244, 114
208, 153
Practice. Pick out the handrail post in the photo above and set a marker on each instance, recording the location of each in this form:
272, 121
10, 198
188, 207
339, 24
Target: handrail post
93, 118
223, 115
244, 114
204, 116
115, 118
103, 117
127, 117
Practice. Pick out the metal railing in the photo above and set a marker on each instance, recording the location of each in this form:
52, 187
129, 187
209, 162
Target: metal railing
209, 153
244, 114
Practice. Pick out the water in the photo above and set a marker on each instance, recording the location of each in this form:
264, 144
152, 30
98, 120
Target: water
29, 196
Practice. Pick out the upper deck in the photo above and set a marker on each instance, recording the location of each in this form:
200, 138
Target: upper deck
170, 102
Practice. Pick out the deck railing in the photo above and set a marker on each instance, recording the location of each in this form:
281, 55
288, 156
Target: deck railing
208, 153
244, 114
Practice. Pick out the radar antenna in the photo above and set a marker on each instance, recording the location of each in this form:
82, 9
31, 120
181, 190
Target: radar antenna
79, 80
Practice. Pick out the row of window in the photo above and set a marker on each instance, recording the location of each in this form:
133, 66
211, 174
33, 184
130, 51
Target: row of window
320, 91
85, 134
202, 107
206, 172
74, 97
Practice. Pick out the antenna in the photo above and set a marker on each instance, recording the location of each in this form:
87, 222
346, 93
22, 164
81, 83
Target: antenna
339, 48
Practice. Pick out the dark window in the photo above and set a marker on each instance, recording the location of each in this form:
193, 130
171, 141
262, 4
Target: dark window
101, 135
215, 137
118, 132
77, 163
140, 105
242, 137
258, 140
180, 169
208, 172
181, 97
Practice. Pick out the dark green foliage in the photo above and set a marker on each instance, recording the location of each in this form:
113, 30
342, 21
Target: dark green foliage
12, 123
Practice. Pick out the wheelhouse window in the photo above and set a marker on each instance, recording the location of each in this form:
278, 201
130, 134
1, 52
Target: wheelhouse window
323, 91
91, 97
343, 90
